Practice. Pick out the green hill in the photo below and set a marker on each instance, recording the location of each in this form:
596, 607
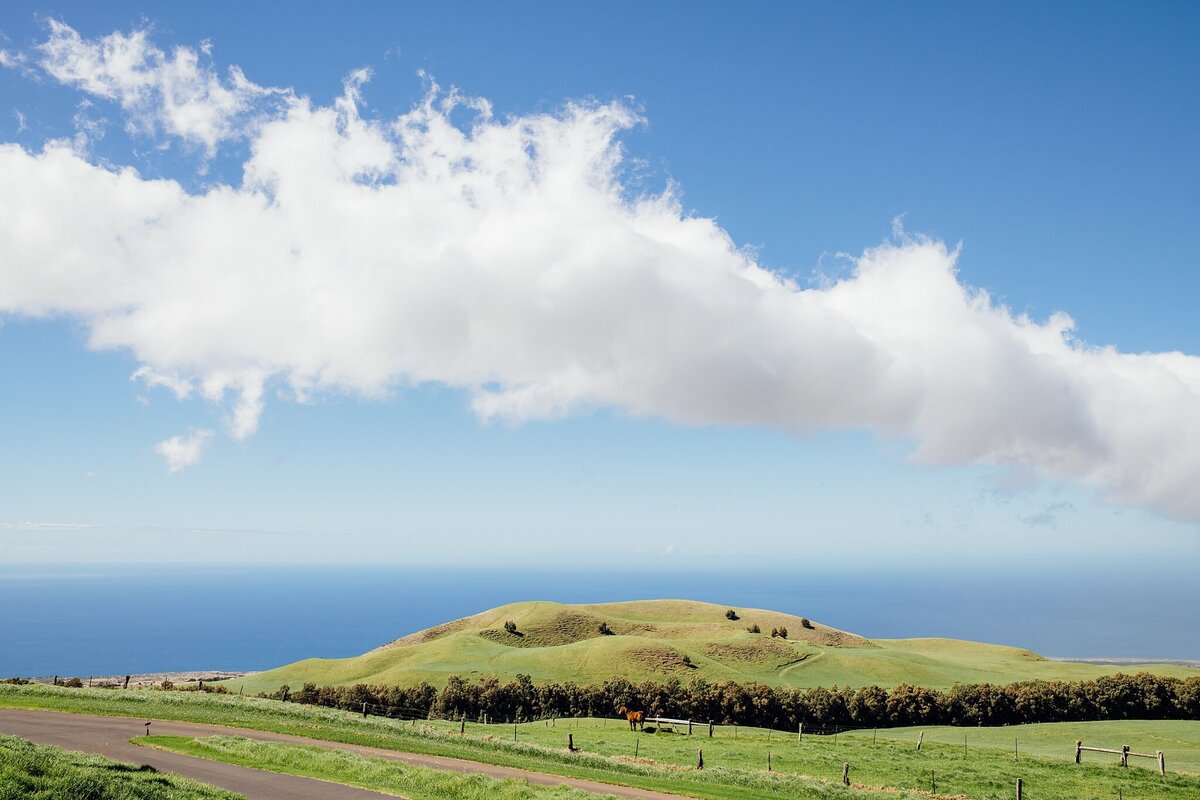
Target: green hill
662, 639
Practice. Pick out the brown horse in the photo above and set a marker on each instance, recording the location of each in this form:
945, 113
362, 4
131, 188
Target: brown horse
635, 718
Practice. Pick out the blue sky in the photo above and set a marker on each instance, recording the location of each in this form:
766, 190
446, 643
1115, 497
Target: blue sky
1055, 145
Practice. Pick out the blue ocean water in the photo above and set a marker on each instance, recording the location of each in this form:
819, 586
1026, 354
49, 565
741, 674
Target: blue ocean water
93, 620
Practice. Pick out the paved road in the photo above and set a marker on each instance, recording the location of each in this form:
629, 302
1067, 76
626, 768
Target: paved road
108, 736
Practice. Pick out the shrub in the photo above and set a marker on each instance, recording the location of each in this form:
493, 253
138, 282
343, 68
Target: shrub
805, 623
510, 626
167, 685
774, 633
605, 630
783, 633
73, 683
754, 628
731, 614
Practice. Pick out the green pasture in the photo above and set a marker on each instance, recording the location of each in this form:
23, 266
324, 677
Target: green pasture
34, 771
735, 758
663, 639
1179, 740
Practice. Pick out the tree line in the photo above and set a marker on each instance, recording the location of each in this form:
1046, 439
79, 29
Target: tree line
1140, 696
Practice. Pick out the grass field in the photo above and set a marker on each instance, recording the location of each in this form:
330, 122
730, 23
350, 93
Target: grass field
662, 639
416, 783
735, 760
37, 771
1178, 739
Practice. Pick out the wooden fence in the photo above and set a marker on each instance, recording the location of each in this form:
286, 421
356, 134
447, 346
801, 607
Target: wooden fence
1125, 753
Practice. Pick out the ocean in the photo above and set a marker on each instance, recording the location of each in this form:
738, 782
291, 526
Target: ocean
94, 620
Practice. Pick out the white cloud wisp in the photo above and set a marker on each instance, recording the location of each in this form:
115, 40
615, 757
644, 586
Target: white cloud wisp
508, 259
181, 452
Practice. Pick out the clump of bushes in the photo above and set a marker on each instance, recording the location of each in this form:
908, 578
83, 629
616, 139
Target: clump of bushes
605, 630
805, 623
15, 681
754, 628
510, 626
167, 685
778, 633
73, 683
731, 614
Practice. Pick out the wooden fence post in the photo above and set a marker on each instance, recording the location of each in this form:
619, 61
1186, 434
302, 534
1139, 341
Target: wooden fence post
768, 761
800, 733
846, 774
1078, 752
462, 724
710, 729
689, 727
637, 745
1162, 763
1124, 755
699, 759
1019, 788
571, 742
920, 739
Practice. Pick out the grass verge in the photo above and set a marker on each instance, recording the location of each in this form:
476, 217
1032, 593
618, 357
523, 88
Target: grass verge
339, 766
42, 772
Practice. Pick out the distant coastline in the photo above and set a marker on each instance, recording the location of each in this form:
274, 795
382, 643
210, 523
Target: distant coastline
1118, 662
148, 679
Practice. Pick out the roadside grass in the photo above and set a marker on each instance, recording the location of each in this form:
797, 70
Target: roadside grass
42, 772
735, 759
339, 766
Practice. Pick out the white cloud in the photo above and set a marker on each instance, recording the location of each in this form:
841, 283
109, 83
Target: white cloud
177, 93
509, 260
181, 452
11, 60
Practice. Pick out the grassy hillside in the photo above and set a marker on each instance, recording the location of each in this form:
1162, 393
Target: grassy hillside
662, 639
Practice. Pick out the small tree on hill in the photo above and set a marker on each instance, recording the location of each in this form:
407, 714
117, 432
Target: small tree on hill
605, 630
731, 614
804, 622
510, 626
754, 628
783, 633
774, 633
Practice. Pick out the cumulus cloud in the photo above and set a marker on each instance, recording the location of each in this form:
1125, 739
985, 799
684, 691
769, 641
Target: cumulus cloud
176, 93
181, 452
508, 258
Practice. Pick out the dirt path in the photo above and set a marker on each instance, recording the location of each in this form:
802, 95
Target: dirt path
108, 736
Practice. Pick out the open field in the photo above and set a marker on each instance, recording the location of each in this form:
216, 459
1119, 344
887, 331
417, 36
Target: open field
664, 639
735, 760
29, 770
1180, 740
